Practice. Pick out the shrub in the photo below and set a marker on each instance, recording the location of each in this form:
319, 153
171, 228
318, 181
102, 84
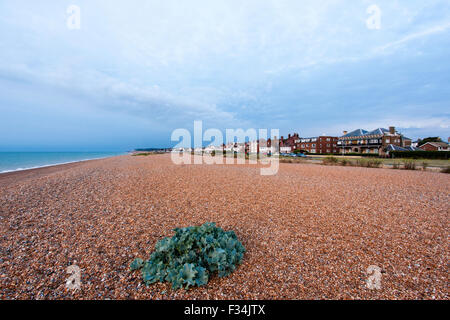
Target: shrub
446, 170
361, 162
409, 164
396, 165
213, 153
369, 163
424, 165
420, 154
330, 160
141, 154
191, 256
344, 162
355, 154
374, 163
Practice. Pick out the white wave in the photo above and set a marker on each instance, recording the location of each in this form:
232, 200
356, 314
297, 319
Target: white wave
53, 164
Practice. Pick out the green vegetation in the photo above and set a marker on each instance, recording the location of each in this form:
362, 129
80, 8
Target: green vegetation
424, 165
354, 154
396, 165
330, 160
409, 165
372, 163
144, 154
191, 256
368, 163
421, 154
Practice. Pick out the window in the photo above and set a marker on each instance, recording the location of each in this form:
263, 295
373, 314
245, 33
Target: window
388, 141
313, 145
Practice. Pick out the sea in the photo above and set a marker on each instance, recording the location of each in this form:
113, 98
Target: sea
16, 161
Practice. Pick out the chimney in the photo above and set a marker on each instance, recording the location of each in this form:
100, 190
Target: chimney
392, 130
289, 135
345, 132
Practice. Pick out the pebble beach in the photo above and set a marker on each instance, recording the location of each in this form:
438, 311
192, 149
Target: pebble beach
310, 231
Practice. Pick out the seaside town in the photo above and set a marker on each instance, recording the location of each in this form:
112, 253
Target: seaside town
225, 154
381, 142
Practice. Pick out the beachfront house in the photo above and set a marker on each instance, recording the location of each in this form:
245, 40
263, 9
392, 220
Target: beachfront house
435, 146
375, 141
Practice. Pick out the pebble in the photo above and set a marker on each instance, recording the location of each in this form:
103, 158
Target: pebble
311, 231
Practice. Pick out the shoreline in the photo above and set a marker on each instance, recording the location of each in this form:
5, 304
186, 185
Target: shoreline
9, 177
53, 164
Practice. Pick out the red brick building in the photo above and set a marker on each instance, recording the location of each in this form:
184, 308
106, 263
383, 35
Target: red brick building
290, 144
435, 146
320, 145
375, 141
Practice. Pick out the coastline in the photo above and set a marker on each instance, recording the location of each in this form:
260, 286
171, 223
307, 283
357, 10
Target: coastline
51, 165
9, 177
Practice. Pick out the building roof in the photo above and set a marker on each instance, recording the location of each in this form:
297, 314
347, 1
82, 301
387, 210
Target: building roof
437, 144
380, 131
391, 147
356, 133
365, 133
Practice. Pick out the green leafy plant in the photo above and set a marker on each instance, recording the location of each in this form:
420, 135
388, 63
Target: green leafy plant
192, 256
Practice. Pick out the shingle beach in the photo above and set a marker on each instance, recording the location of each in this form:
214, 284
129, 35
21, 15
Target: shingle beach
310, 231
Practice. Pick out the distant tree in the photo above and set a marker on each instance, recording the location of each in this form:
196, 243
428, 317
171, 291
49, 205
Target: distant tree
429, 139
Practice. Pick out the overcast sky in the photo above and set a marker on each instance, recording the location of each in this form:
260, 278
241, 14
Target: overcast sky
137, 70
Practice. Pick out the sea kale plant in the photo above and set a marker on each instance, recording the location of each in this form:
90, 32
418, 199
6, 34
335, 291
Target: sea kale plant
192, 256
